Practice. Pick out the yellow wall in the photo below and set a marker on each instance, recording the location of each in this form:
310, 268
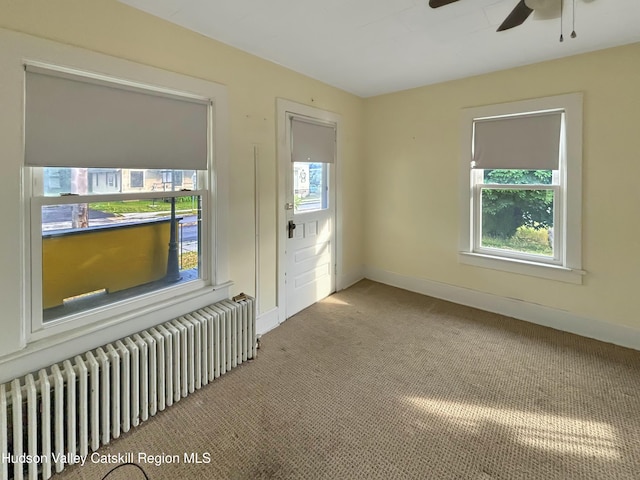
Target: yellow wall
412, 178
112, 28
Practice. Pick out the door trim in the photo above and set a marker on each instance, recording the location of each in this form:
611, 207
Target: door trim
283, 157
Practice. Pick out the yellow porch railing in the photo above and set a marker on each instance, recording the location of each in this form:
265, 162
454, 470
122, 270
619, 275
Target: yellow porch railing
110, 258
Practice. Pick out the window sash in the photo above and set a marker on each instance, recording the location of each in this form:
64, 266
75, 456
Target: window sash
103, 313
558, 227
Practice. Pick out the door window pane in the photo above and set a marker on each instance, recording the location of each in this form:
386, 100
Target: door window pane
310, 186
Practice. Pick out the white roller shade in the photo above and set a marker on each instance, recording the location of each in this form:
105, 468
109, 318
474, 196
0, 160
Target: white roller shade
528, 142
312, 142
73, 121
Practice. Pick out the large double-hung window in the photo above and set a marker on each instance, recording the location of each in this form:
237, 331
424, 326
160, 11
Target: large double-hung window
521, 187
119, 177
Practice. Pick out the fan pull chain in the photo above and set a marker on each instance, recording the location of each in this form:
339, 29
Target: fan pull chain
573, 33
561, 15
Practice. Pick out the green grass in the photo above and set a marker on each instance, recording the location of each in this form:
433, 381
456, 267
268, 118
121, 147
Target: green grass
527, 240
144, 206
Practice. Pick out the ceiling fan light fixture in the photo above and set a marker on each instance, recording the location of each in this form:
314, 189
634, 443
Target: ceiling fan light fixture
547, 14
545, 9
543, 4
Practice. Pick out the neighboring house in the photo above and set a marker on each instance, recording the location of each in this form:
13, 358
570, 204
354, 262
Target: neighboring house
114, 180
157, 180
105, 180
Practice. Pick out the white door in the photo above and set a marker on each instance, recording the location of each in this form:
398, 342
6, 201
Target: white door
309, 234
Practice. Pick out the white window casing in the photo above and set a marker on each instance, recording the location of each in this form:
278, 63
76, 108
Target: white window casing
525, 135
75, 119
208, 140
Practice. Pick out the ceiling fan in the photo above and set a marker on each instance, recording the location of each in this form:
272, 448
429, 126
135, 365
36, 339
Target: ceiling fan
520, 13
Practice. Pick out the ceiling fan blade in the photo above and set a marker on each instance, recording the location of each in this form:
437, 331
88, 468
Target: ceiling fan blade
517, 16
440, 3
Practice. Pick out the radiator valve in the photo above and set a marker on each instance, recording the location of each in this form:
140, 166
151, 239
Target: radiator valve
240, 297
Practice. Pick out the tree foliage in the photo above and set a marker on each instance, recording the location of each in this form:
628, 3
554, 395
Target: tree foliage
503, 211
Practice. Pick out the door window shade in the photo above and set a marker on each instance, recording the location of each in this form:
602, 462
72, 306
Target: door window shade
74, 121
528, 142
312, 142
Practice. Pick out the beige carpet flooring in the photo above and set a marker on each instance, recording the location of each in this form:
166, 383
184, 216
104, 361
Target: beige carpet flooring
379, 383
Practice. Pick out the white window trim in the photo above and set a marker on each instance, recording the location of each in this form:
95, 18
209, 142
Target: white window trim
130, 316
568, 264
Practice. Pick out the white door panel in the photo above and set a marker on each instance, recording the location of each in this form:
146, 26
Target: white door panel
310, 253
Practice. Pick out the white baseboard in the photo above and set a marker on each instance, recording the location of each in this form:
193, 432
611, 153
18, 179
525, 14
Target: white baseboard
267, 321
271, 319
530, 312
349, 279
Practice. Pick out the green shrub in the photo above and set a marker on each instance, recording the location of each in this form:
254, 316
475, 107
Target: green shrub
526, 239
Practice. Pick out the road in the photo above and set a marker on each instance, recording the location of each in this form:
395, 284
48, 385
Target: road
189, 229
58, 217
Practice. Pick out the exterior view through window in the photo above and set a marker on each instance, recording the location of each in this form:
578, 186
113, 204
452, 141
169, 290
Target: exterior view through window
310, 187
112, 234
517, 210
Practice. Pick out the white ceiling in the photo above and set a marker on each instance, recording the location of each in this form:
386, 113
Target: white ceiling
370, 47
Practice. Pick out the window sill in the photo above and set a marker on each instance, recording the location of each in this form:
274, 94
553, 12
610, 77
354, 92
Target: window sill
162, 305
60, 346
521, 267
